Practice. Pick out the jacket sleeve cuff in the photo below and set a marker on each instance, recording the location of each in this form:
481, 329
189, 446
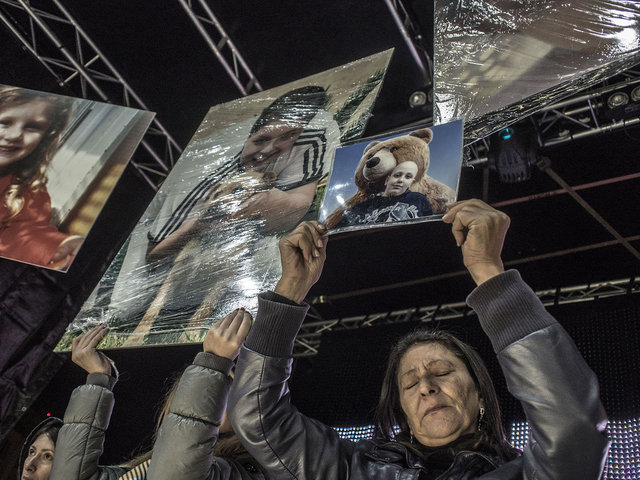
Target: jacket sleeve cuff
214, 362
276, 325
508, 309
102, 380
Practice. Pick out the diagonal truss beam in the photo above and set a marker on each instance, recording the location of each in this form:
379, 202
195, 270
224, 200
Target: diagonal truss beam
223, 48
545, 166
66, 51
412, 38
569, 120
308, 339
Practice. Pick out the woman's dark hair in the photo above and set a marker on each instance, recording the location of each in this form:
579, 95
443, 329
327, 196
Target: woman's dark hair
389, 414
299, 105
228, 445
50, 429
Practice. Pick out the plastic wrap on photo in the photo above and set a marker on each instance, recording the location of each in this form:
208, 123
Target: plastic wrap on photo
208, 243
398, 178
497, 61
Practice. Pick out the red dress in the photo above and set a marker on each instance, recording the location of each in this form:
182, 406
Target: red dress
29, 237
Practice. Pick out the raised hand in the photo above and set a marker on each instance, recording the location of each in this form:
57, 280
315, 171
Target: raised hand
302, 254
85, 355
225, 337
479, 231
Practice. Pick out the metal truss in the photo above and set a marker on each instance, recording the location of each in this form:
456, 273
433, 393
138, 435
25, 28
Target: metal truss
66, 51
308, 339
570, 120
209, 27
584, 115
412, 37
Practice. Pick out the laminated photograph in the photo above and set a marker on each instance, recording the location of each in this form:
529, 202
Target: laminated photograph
401, 178
208, 242
60, 158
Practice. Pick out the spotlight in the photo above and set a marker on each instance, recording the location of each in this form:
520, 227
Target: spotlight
617, 99
620, 108
513, 153
417, 99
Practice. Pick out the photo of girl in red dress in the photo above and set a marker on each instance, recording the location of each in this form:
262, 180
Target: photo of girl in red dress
31, 124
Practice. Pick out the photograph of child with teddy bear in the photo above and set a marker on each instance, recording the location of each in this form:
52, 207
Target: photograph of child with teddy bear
406, 177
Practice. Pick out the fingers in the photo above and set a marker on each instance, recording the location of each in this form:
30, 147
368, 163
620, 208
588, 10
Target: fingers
458, 228
91, 338
463, 215
454, 208
318, 231
84, 353
310, 238
244, 325
226, 337
97, 334
459, 231
227, 320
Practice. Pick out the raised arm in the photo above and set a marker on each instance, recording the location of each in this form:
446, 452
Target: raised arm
81, 438
285, 442
184, 447
543, 368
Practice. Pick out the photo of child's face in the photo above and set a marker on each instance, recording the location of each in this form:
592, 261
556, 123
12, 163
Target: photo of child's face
400, 179
22, 127
267, 144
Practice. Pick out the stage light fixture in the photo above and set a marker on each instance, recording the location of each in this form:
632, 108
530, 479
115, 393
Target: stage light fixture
506, 133
513, 152
417, 99
617, 99
635, 94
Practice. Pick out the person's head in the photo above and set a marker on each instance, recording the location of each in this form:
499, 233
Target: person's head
400, 179
37, 457
30, 127
433, 390
280, 124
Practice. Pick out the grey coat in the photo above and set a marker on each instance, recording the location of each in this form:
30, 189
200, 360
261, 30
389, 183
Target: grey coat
184, 447
543, 368
81, 438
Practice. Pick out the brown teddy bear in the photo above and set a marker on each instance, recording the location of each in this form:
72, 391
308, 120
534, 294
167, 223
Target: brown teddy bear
381, 157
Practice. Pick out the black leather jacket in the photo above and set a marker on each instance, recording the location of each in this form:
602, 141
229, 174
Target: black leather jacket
543, 368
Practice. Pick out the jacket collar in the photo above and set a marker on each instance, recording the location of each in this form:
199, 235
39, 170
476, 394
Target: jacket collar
463, 461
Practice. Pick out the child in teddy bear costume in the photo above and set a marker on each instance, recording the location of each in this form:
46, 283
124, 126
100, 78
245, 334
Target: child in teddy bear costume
378, 161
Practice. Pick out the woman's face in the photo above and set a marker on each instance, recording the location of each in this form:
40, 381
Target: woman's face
437, 394
267, 144
22, 127
37, 465
400, 179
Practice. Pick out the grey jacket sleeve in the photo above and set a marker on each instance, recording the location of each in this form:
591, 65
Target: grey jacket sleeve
286, 443
184, 447
546, 373
81, 438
